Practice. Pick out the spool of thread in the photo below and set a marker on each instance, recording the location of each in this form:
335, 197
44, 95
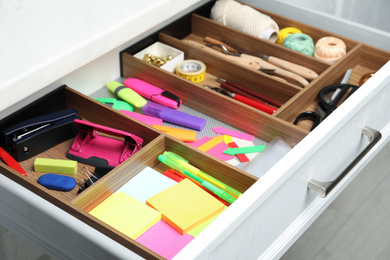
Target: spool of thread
300, 42
245, 19
330, 49
283, 33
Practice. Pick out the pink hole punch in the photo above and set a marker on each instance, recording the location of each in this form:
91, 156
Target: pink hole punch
100, 150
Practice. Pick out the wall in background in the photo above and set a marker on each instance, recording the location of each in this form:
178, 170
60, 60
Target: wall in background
373, 13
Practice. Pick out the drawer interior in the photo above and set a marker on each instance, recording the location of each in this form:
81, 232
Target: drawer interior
80, 203
295, 99
194, 27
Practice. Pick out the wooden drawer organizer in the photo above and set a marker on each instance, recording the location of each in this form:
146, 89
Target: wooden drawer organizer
362, 58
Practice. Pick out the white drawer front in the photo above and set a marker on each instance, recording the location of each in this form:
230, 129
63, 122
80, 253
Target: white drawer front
267, 219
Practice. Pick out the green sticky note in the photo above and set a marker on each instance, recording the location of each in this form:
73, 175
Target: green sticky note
241, 150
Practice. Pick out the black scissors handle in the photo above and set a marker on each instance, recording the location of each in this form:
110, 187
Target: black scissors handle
309, 115
327, 104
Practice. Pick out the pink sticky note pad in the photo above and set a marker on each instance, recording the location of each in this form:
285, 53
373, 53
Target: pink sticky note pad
149, 120
217, 151
164, 239
199, 142
233, 133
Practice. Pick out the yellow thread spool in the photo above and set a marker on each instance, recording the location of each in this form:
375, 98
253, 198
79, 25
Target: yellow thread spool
283, 33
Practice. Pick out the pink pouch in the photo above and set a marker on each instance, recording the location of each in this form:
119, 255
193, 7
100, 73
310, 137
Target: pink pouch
101, 150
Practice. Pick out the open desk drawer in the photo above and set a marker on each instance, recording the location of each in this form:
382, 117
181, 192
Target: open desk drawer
273, 210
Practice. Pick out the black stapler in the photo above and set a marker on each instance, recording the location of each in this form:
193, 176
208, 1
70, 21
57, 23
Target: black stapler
30, 137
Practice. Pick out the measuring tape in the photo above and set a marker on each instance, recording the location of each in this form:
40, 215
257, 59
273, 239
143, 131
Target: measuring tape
193, 70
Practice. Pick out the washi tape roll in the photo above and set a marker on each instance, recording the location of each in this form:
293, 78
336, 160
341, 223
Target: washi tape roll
300, 42
283, 33
330, 49
193, 70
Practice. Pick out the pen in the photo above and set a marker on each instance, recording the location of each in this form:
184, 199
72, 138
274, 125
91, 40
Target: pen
188, 167
11, 162
217, 191
126, 94
234, 87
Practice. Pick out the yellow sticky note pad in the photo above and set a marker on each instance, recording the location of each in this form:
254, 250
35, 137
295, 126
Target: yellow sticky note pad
196, 231
185, 206
126, 214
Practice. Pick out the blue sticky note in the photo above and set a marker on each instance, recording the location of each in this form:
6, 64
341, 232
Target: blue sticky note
146, 184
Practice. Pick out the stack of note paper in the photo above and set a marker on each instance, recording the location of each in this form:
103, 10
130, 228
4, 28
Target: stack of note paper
126, 214
146, 184
185, 206
164, 239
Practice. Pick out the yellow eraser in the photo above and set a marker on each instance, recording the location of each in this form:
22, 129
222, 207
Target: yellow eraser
55, 166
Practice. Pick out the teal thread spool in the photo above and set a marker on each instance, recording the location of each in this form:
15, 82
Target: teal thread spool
300, 42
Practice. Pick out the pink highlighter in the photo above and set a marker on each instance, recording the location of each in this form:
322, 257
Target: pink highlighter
153, 93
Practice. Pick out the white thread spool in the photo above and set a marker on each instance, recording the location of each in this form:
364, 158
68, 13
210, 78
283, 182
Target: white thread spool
245, 19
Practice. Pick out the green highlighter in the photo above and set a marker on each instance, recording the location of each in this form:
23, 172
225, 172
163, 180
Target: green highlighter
207, 185
188, 167
125, 93
116, 104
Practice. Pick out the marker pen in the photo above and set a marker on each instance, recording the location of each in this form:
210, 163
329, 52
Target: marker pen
192, 169
126, 94
173, 116
153, 93
203, 183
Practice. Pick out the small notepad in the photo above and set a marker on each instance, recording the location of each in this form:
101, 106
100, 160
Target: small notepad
185, 206
126, 214
164, 239
196, 231
146, 184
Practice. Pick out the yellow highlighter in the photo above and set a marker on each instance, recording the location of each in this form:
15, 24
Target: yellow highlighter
127, 94
188, 167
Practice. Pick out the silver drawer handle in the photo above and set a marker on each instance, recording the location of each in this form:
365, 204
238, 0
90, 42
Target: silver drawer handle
324, 188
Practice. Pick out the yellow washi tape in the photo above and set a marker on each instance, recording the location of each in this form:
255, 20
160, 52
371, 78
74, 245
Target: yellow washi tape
193, 70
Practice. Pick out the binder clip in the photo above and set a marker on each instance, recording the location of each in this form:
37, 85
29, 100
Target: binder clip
35, 135
91, 178
101, 150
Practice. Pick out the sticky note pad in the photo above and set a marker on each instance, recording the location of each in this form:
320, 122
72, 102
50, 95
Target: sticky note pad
146, 184
55, 166
196, 231
185, 205
126, 214
164, 239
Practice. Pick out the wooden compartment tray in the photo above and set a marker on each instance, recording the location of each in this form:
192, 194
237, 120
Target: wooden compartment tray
154, 145
296, 99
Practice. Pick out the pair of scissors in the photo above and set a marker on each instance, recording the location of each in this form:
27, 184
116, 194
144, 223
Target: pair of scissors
329, 99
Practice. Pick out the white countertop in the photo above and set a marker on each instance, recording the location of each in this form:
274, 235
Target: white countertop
42, 41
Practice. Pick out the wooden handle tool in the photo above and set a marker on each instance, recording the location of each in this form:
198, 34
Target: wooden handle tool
277, 71
293, 67
244, 62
